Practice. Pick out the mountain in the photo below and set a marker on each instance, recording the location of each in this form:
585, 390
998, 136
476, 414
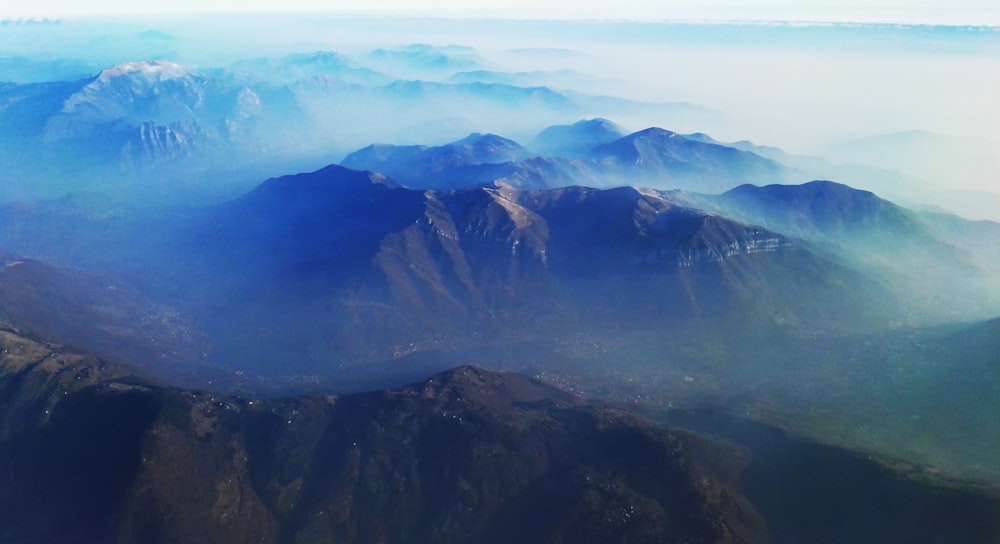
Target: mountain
820, 208
798, 310
980, 238
588, 153
162, 130
425, 59
574, 141
878, 234
435, 167
537, 78
301, 66
102, 315
465, 455
139, 122
527, 174
367, 271
152, 111
661, 158
345, 268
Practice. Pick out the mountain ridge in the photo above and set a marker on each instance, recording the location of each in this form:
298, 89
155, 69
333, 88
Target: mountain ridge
463, 454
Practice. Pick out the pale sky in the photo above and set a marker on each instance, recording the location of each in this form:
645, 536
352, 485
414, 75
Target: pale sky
966, 12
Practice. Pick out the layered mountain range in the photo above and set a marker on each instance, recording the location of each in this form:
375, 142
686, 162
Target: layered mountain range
149, 123
343, 280
653, 157
464, 305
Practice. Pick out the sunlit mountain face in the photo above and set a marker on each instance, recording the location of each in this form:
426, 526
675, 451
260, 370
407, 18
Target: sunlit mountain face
362, 279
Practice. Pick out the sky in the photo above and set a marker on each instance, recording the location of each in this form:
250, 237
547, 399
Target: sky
964, 12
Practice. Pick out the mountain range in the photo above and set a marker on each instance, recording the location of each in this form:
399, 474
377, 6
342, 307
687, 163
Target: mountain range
470, 267
653, 157
148, 123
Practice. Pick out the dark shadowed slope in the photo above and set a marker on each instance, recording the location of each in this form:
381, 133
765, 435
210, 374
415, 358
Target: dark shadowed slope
103, 315
466, 456
91, 454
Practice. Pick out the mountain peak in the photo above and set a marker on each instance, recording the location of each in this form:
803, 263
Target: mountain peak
821, 206
812, 189
335, 173
600, 123
653, 132
573, 141
151, 70
435, 167
488, 139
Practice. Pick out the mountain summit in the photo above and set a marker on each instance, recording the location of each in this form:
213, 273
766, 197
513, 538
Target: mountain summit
662, 158
576, 140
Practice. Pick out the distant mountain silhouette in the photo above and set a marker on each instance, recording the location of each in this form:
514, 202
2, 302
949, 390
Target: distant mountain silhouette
425, 58
556, 79
603, 158
820, 208
435, 167
302, 66
576, 140
873, 232
662, 158
159, 126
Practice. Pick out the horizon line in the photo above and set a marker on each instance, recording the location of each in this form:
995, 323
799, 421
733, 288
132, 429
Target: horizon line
492, 15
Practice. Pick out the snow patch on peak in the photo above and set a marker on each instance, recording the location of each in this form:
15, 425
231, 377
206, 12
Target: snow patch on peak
159, 70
